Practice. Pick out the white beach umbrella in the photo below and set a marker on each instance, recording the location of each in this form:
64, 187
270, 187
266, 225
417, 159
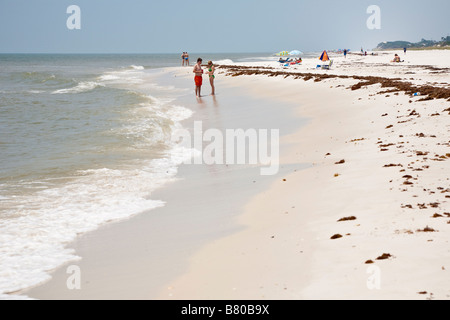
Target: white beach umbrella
295, 53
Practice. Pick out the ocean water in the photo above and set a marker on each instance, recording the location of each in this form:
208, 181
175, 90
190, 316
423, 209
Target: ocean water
84, 140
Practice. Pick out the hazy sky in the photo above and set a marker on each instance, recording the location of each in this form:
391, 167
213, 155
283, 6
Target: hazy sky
148, 26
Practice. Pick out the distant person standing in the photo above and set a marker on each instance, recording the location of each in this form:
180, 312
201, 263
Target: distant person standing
183, 60
345, 53
404, 50
198, 79
186, 56
211, 70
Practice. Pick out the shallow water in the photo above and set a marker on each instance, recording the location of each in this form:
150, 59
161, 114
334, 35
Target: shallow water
84, 140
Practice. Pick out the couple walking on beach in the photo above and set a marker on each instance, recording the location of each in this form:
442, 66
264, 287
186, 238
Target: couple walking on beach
198, 70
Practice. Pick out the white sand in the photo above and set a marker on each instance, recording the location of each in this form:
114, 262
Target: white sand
285, 251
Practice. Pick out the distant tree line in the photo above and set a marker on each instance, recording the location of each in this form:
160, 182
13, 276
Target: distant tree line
445, 41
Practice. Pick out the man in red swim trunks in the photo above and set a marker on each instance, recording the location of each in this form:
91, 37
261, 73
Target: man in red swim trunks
198, 77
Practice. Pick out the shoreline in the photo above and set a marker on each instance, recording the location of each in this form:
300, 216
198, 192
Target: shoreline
281, 246
174, 232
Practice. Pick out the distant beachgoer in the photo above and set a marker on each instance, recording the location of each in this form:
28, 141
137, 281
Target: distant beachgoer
404, 50
198, 77
186, 56
211, 70
285, 60
396, 58
183, 60
345, 53
365, 53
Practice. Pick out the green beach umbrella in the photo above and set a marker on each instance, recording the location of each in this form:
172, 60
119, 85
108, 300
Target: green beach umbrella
283, 53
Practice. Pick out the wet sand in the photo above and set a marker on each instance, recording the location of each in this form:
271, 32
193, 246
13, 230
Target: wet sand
135, 259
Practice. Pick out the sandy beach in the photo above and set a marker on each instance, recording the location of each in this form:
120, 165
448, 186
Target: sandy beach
359, 209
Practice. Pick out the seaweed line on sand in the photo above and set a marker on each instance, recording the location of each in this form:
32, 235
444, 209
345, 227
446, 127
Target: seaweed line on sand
427, 92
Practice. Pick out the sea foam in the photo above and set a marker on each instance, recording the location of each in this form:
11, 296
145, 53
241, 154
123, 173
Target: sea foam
224, 62
83, 86
36, 226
